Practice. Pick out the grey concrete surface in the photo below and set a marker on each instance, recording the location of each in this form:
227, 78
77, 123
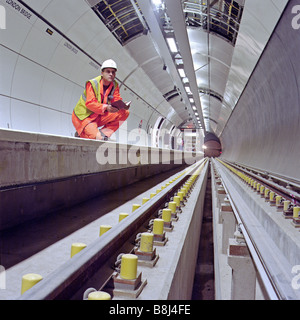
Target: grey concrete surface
264, 128
47, 173
43, 245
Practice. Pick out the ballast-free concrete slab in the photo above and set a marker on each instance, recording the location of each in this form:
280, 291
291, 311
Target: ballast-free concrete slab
42, 246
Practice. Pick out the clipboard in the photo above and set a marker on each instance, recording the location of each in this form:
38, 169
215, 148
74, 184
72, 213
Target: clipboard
121, 105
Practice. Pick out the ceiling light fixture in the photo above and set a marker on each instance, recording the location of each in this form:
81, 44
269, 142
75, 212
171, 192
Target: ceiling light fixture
179, 61
188, 89
182, 73
157, 3
172, 45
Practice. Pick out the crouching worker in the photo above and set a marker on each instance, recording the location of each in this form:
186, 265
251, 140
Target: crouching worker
94, 109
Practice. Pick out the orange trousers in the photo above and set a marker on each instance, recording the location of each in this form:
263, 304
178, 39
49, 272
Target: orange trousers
110, 122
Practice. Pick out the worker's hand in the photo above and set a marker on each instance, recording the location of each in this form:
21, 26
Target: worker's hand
111, 109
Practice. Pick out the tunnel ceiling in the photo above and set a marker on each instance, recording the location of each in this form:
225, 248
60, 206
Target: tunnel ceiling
217, 44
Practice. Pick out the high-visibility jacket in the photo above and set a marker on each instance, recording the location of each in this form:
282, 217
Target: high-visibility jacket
81, 111
83, 114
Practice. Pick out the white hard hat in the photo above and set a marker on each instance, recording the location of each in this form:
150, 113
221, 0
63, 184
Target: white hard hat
109, 64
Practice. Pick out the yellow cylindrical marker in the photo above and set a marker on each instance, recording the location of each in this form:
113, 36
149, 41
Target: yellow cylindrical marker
187, 185
172, 206
122, 216
166, 215
29, 280
257, 186
278, 199
129, 266
135, 206
146, 244
296, 211
272, 195
180, 195
286, 204
267, 192
145, 200
158, 226
104, 228
99, 295
262, 189
77, 247
177, 200
184, 191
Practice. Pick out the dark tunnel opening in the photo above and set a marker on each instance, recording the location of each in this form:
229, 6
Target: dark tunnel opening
212, 146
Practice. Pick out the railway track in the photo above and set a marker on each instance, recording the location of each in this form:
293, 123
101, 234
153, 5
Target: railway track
282, 192
95, 266
267, 214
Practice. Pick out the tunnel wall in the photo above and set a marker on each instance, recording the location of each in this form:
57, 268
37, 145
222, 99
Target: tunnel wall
48, 55
264, 129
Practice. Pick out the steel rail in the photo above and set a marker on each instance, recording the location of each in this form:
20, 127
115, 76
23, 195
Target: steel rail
271, 265
68, 278
276, 176
268, 285
280, 190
